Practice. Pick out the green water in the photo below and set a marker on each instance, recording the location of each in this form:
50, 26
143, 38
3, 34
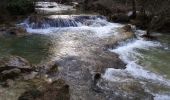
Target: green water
35, 48
158, 59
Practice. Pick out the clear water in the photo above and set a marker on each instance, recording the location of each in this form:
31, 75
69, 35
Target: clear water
148, 62
34, 48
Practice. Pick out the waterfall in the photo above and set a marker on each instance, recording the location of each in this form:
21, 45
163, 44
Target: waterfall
62, 21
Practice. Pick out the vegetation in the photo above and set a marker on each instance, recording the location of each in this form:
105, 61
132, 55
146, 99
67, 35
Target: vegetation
20, 7
152, 15
11, 8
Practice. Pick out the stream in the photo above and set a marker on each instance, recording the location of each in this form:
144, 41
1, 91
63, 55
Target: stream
76, 41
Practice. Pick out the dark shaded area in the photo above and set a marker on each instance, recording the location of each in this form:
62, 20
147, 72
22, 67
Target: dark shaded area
57, 90
11, 10
150, 15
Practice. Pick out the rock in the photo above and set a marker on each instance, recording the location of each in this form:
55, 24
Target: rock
14, 67
30, 76
126, 32
15, 62
127, 28
52, 68
51, 6
17, 31
57, 90
123, 33
49, 68
30, 95
8, 83
10, 74
106, 60
148, 37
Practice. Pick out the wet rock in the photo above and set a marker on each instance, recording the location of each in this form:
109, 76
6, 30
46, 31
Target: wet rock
52, 68
126, 32
10, 74
14, 67
123, 33
148, 37
17, 31
57, 90
15, 62
51, 6
8, 83
108, 60
30, 76
30, 95
94, 87
127, 28
97, 76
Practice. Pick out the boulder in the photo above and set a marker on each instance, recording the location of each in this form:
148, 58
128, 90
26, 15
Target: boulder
13, 67
15, 62
126, 32
57, 90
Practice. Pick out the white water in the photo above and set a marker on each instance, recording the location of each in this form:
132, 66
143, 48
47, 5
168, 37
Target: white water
57, 7
100, 27
128, 52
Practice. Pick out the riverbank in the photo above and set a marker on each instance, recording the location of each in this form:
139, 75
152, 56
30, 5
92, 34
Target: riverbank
122, 12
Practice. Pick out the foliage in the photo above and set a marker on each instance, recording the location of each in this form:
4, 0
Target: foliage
20, 7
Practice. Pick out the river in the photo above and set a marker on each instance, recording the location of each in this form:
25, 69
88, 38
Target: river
76, 40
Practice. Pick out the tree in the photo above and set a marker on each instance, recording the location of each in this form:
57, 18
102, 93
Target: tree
158, 11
